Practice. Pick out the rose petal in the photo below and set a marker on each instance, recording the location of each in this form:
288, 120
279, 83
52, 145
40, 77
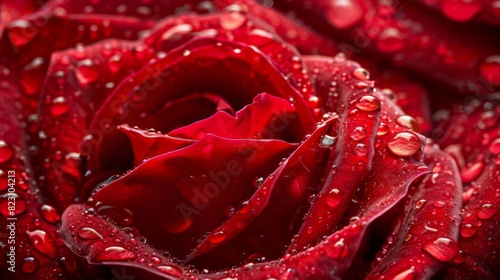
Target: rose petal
177, 197
420, 244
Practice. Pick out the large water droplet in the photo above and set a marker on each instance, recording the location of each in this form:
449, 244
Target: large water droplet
6, 152
461, 10
68, 264
31, 78
217, 237
115, 253
343, 14
171, 270
443, 249
20, 32
495, 147
89, 233
30, 265
337, 250
468, 231
327, 141
59, 106
383, 129
358, 134
404, 144
408, 274
360, 149
361, 73
115, 63
390, 40
490, 69
368, 103
232, 17
86, 72
486, 211
408, 122
49, 214
43, 243
333, 198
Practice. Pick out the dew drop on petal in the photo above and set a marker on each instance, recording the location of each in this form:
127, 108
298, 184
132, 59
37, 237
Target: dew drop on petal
68, 264
43, 243
343, 14
408, 274
461, 10
245, 207
89, 233
170, 270
358, 134
217, 237
404, 144
339, 249
115, 63
333, 198
20, 32
361, 73
390, 40
59, 106
49, 213
383, 129
467, 231
486, 211
360, 149
114, 253
408, 122
368, 103
86, 72
30, 265
327, 141
6, 152
490, 69
442, 249
232, 17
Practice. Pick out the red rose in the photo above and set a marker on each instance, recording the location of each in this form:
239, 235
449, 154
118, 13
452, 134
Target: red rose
225, 140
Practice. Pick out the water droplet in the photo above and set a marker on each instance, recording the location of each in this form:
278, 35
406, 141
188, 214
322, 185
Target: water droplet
30, 265
490, 69
245, 207
333, 198
358, 134
89, 233
408, 274
339, 58
86, 72
258, 182
114, 253
360, 149
390, 40
343, 14
460, 10
439, 204
4, 205
59, 106
486, 211
232, 17
313, 101
408, 122
31, 78
470, 173
368, 103
420, 203
339, 249
43, 243
404, 144
6, 152
443, 249
170, 270
49, 214
361, 73
327, 141
115, 63
468, 231
20, 32
383, 129
217, 237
